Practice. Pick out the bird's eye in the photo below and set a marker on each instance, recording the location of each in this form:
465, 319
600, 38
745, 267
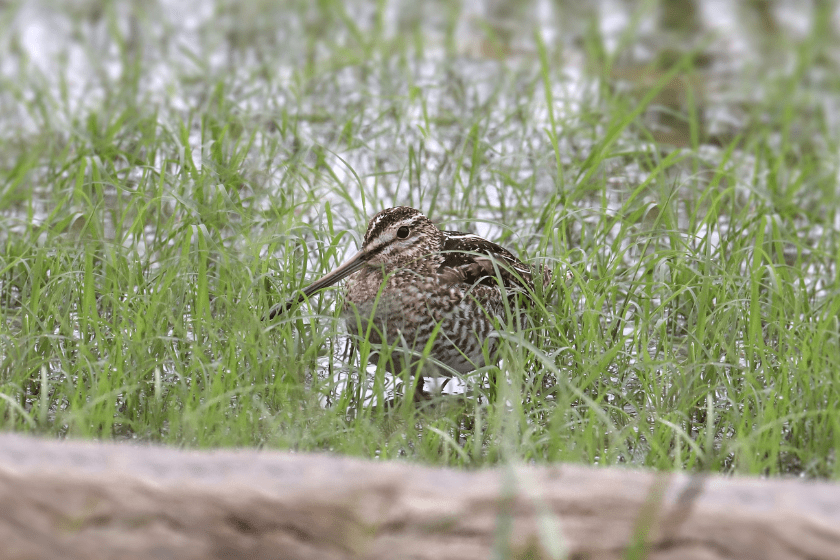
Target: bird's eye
403, 232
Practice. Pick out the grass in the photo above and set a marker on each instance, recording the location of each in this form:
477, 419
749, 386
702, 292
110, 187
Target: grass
152, 214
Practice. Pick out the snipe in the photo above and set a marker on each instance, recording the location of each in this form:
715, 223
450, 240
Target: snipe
410, 277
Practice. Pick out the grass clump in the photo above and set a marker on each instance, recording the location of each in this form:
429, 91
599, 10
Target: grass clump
188, 173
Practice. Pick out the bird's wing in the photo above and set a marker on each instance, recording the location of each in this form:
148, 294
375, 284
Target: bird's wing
472, 259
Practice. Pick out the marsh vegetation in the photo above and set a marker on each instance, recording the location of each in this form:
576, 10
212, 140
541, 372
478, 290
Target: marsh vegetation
169, 174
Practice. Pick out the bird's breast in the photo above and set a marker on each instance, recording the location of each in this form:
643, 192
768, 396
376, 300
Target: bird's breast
404, 297
405, 308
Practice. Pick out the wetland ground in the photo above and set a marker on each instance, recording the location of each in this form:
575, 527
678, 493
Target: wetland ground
168, 172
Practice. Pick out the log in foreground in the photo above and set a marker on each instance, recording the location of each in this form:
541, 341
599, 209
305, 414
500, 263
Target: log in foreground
75, 499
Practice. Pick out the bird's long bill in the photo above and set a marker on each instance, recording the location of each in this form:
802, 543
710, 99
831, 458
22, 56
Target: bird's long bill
349, 266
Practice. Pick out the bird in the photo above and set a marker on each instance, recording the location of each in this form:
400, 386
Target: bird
412, 282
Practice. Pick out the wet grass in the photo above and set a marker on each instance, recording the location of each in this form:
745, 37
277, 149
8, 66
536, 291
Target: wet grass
152, 216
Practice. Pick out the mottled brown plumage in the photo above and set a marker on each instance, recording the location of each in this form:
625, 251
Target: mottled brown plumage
409, 277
